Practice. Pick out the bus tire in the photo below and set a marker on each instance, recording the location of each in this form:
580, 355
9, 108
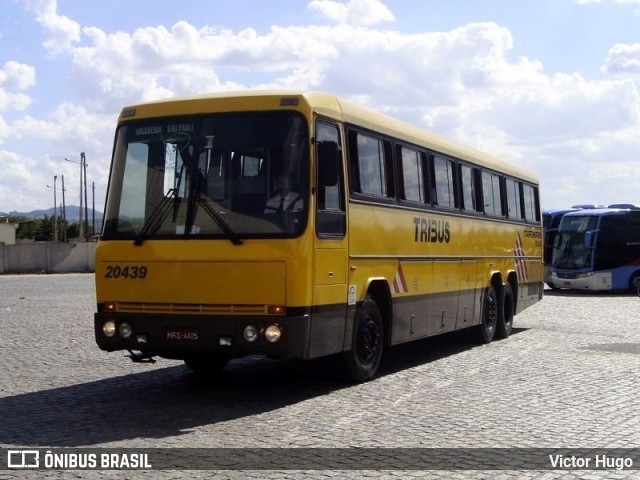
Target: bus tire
367, 342
207, 364
506, 312
634, 283
487, 328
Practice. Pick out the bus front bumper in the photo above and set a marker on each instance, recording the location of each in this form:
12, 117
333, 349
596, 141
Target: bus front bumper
180, 336
582, 281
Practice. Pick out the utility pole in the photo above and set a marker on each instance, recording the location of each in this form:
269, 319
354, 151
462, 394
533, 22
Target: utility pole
55, 211
64, 214
83, 160
93, 207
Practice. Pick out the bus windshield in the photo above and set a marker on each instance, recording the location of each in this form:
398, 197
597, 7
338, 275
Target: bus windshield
570, 249
216, 176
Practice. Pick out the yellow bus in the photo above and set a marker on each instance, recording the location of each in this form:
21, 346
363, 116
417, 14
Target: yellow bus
300, 224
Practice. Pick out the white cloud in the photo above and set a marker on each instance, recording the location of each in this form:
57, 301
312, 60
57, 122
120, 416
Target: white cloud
63, 32
353, 12
14, 78
463, 83
623, 60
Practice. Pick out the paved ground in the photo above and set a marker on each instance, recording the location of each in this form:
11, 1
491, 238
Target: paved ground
568, 377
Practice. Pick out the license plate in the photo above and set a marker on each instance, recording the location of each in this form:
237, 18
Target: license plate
182, 334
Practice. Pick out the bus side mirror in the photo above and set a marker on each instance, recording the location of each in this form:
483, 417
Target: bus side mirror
590, 238
328, 163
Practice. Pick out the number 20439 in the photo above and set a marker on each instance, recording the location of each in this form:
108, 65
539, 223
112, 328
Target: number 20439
133, 271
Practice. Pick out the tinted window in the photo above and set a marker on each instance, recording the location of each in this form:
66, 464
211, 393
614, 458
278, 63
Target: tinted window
491, 193
468, 188
443, 174
412, 174
513, 199
371, 165
531, 210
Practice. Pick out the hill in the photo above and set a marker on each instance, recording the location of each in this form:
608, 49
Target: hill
72, 213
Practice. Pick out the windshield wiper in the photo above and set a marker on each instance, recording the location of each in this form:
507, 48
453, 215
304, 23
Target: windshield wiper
155, 219
224, 226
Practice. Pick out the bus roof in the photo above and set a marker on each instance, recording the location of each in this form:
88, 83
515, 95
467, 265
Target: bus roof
599, 212
327, 105
554, 212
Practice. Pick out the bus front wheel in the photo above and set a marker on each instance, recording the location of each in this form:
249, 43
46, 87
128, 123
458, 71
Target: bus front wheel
487, 328
634, 283
367, 342
506, 312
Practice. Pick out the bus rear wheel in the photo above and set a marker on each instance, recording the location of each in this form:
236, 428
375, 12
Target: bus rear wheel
506, 312
487, 328
367, 342
207, 364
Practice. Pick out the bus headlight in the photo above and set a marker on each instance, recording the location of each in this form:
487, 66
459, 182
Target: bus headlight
250, 333
109, 328
125, 330
272, 333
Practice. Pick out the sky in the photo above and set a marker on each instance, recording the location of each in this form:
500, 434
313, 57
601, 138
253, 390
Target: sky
552, 85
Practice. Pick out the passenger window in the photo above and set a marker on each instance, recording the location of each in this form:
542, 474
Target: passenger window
513, 199
444, 187
468, 189
371, 165
491, 193
412, 174
531, 208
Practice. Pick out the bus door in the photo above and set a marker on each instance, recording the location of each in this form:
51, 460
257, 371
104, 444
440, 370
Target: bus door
330, 248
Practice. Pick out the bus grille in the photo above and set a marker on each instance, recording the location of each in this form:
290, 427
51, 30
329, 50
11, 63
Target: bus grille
190, 308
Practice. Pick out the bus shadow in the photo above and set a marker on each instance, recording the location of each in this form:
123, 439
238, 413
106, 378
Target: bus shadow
171, 401
414, 354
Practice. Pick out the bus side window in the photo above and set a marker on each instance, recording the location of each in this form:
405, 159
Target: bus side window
371, 165
530, 203
467, 189
491, 194
411, 174
513, 199
330, 213
444, 187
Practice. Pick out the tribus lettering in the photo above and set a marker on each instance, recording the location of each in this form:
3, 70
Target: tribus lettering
430, 230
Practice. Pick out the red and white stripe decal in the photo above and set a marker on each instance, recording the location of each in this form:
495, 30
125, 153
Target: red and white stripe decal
399, 283
521, 264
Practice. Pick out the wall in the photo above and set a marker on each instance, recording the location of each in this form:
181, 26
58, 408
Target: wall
48, 257
8, 233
